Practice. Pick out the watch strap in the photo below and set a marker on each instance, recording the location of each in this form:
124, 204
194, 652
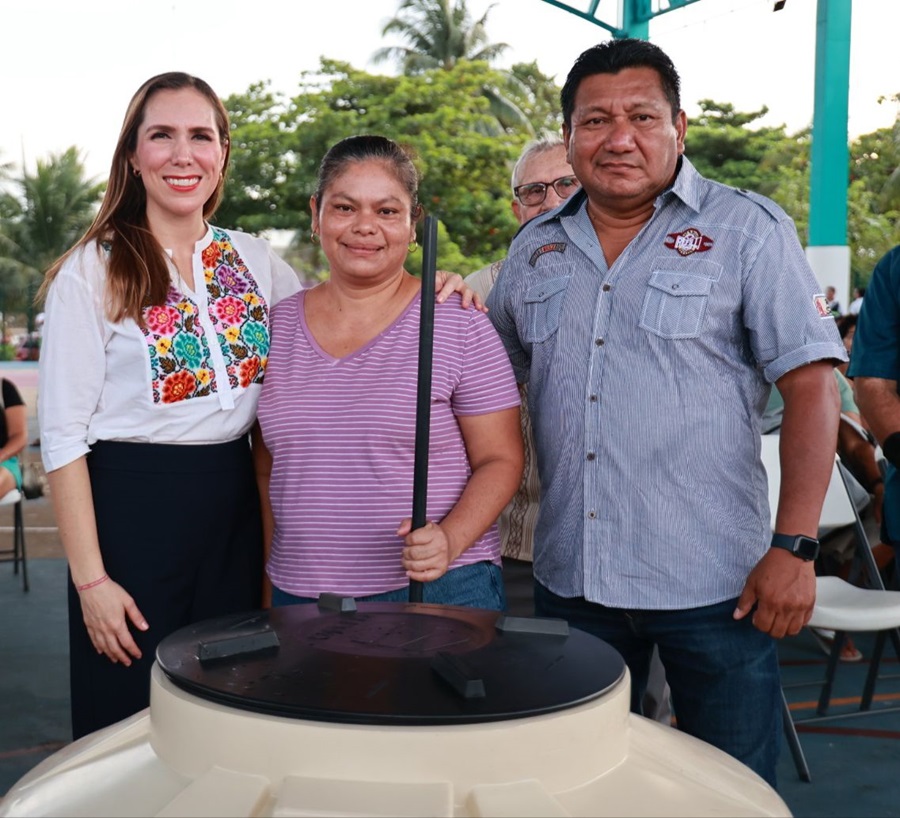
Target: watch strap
801, 546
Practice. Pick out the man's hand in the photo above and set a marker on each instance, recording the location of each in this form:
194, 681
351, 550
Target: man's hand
783, 589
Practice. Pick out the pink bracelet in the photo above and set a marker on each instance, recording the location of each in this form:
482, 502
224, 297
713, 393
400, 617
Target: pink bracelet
92, 584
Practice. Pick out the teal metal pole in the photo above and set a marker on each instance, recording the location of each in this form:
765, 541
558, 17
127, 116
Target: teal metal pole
636, 16
830, 156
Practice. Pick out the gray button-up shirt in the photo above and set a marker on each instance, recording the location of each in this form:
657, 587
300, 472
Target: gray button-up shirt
647, 380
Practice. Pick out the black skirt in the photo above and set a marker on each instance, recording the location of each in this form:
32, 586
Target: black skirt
179, 530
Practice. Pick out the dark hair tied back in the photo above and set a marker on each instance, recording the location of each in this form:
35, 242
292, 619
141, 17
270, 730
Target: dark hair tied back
367, 147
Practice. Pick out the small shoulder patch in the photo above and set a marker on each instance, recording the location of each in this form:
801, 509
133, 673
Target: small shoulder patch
822, 307
773, 209
553, 247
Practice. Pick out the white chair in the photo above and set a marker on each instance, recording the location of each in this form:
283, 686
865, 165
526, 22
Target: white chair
16, 554
840, 606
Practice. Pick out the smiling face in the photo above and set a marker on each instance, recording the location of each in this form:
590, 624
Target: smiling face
365, 223
622, 142
180, 155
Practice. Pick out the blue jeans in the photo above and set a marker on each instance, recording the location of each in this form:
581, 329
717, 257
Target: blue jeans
479, 585
723, 673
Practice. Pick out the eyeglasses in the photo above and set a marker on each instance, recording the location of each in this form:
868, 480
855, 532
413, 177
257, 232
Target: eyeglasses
534, 193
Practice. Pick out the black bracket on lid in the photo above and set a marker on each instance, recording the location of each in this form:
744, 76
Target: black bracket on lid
532, 626
336, 602
242, 644
459, 675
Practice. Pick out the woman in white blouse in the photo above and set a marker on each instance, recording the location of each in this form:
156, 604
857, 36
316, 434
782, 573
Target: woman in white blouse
155, 343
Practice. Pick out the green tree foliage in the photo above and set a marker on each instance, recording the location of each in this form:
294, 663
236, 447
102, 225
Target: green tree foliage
541, 98
440, 114
725, 146
438, 35
261, 163
874, 205
43, 218
891, 191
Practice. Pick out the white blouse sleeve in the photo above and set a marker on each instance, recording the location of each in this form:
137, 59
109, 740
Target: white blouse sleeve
73, 360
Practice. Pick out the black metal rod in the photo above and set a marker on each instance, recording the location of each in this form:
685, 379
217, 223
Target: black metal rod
423, 394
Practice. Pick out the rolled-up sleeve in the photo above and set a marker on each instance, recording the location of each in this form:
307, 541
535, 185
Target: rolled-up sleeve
786, 327
72, 364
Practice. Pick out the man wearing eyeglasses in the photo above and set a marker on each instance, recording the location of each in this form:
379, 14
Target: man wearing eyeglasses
541, 180
649, 316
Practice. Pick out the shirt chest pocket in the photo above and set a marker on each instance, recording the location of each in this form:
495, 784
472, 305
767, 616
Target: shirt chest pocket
675, 304
543, 307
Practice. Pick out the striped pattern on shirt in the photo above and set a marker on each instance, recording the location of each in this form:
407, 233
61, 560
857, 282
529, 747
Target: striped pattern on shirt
342, 436
646, 383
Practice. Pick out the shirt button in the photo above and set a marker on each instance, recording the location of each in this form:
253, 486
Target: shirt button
592, 515
599, 342
591, 455
607, 287
593, 398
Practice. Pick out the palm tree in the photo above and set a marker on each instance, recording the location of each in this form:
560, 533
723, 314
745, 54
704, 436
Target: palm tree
439, 33
53, 208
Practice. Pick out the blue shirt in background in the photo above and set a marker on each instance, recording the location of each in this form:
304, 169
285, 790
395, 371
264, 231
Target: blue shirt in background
876, 354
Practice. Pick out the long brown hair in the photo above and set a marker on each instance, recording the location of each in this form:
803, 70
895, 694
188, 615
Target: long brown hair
137, 269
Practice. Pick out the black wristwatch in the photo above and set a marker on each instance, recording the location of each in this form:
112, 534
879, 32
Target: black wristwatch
806, 548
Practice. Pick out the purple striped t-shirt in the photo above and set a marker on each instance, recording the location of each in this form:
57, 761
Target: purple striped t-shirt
341, 432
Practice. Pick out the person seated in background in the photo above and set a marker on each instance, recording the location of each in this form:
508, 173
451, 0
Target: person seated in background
833, 304
335, 444
859, 454
13, 436
846, 325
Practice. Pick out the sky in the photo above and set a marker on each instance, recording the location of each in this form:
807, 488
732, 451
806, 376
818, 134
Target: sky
70, 68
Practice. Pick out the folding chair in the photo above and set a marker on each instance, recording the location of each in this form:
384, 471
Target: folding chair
840, 606
16, 553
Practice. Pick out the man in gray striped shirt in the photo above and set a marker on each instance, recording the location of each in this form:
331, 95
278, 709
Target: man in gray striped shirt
649, 315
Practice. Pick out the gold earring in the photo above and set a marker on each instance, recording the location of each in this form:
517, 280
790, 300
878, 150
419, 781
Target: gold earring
136, 172
314, 237
412, 246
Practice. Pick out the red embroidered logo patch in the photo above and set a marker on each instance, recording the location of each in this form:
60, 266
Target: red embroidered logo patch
822, 307
690, 241
556, 247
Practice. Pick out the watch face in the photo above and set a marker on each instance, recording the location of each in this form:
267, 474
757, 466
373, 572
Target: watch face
806, 547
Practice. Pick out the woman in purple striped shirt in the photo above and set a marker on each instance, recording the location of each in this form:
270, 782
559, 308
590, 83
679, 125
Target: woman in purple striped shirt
335, 445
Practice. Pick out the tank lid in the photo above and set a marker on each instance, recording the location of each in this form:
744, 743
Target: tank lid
389, 663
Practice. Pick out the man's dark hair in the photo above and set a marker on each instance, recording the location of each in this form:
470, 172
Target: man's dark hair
611, 57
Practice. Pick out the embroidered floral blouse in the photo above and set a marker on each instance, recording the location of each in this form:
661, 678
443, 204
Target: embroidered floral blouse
191, 375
